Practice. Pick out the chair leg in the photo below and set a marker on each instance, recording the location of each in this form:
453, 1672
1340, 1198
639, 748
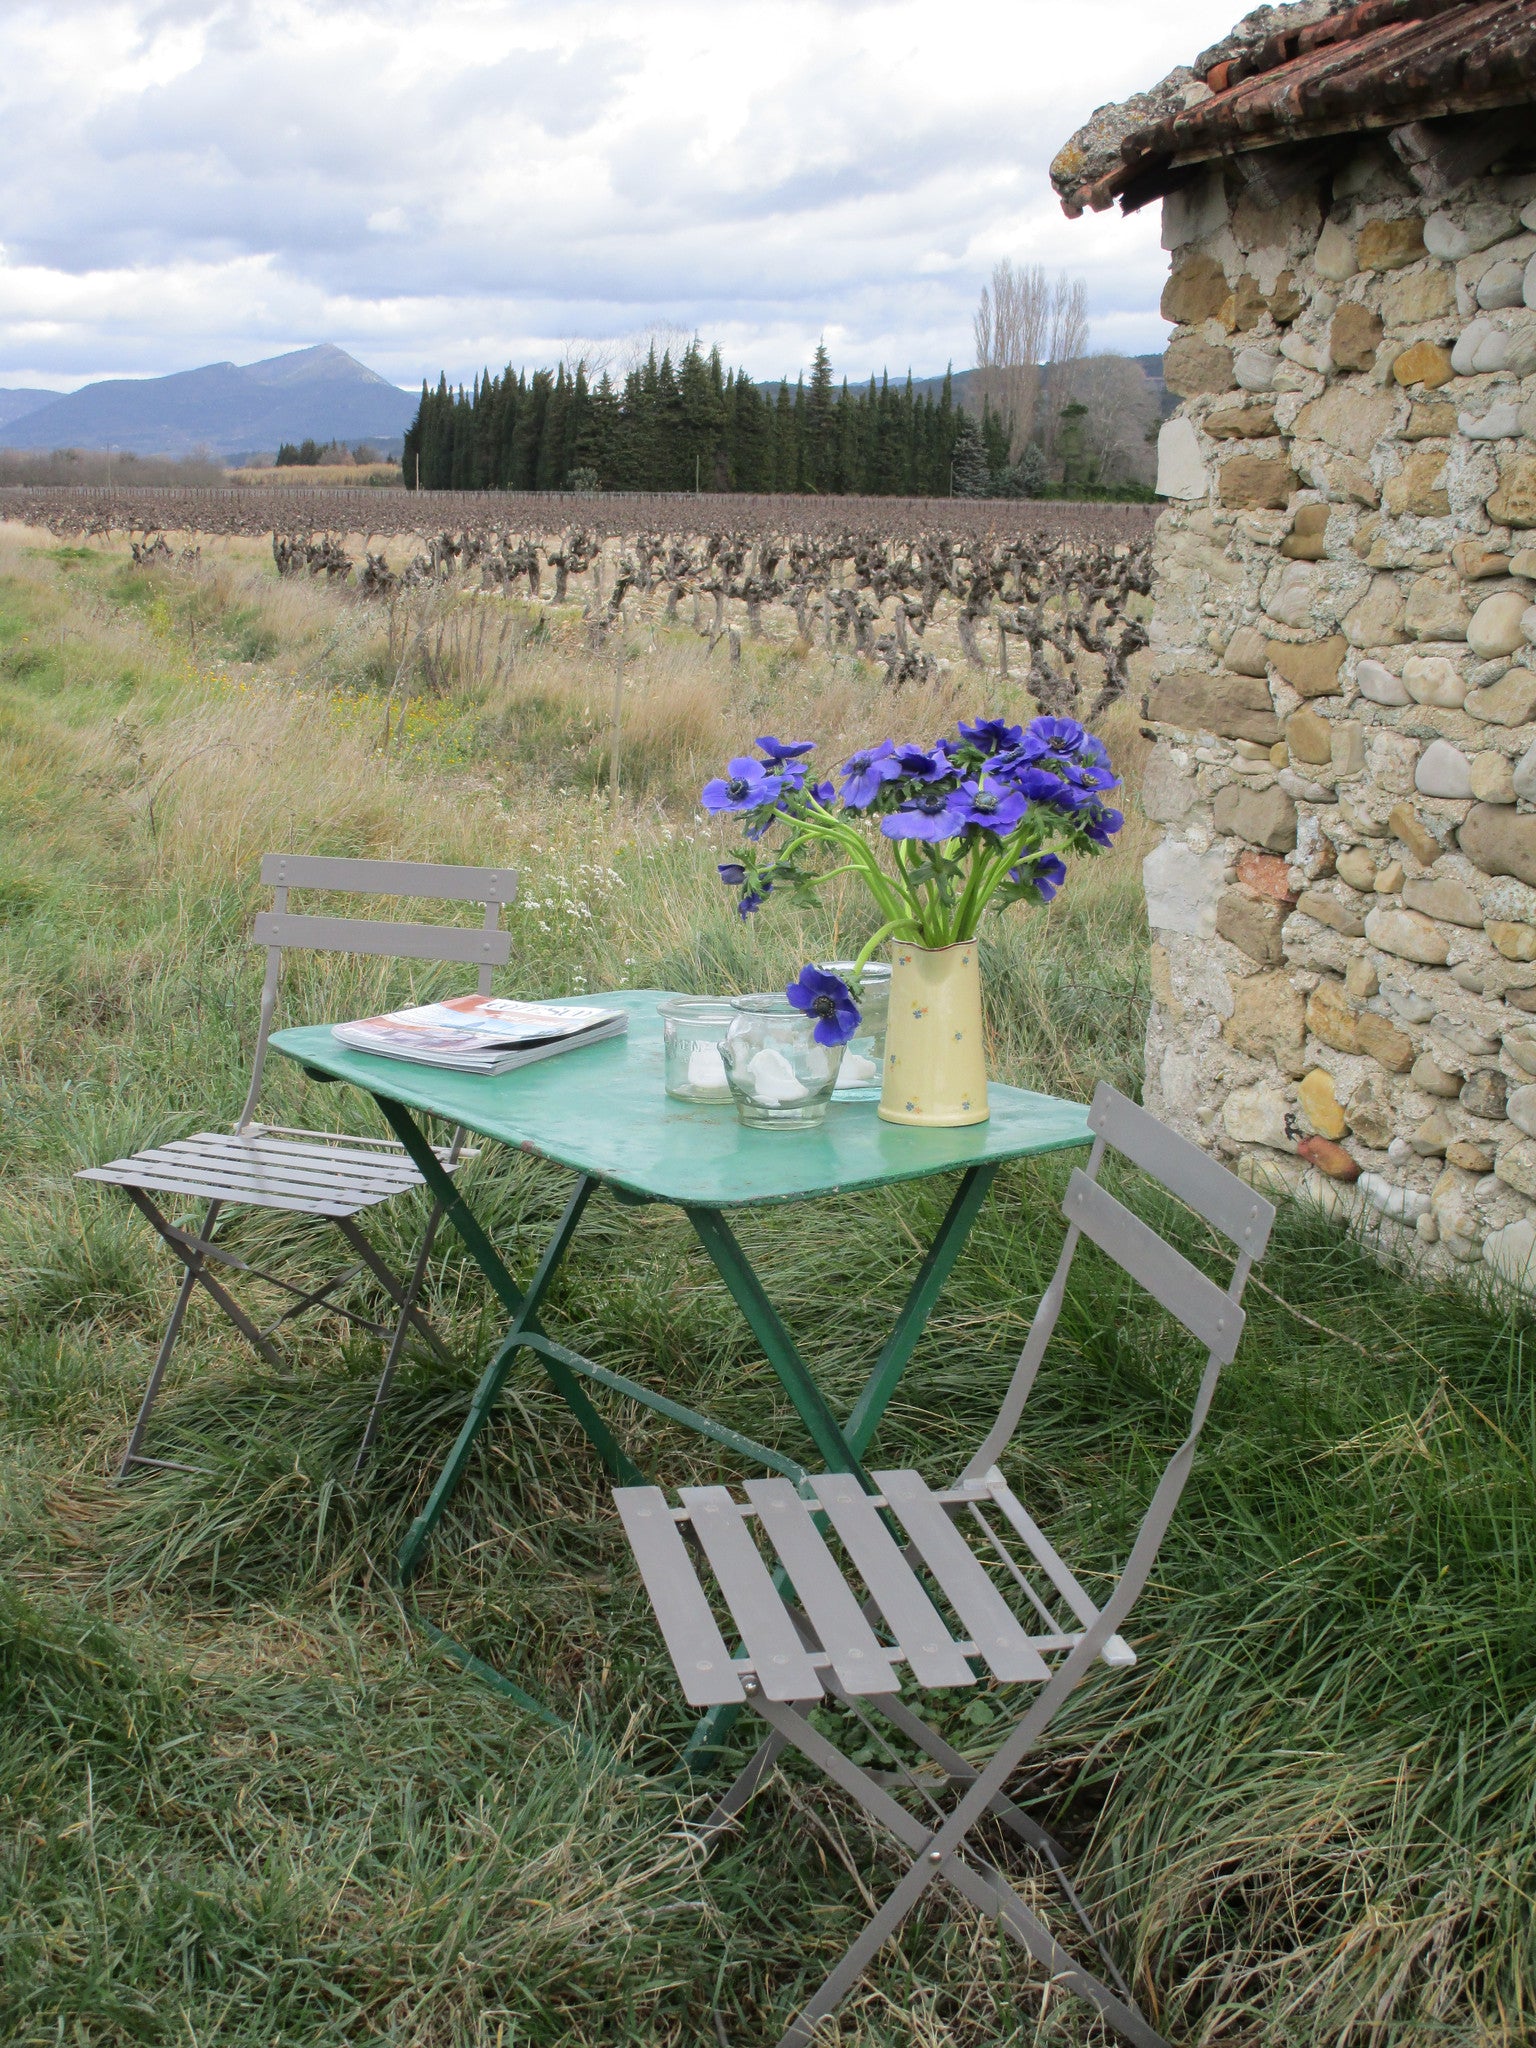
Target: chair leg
740, 1791
1014, 1818
397, 1341
163, 1355
392, 1286
977, 1881
199, 1270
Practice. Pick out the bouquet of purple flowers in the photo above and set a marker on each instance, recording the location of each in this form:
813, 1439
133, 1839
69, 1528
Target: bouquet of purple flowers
981, 818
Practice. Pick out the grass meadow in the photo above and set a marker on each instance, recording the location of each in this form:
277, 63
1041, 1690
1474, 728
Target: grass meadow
243, 1802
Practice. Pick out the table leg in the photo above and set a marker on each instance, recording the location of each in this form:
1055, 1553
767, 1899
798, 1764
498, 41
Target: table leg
864, 1419
493, 1379
778, 1346
524, 1308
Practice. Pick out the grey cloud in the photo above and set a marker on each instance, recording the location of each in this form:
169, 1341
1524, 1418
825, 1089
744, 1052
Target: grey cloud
537, 193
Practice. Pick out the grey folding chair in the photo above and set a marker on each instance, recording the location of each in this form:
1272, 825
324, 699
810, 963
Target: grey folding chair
831, 1589
311, 1173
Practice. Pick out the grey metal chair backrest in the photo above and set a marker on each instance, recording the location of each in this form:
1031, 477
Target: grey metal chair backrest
280, 928
1211, 1314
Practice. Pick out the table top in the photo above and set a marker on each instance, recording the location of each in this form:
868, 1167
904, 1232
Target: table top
601, 1109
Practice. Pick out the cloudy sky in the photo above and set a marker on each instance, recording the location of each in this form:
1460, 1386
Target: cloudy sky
450, 183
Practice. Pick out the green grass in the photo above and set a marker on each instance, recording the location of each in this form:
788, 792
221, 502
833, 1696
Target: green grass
242, 1802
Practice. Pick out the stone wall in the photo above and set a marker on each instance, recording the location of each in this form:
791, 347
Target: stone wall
1342, 684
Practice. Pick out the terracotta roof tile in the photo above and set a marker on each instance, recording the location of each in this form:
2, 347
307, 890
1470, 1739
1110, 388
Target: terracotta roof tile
1377, 65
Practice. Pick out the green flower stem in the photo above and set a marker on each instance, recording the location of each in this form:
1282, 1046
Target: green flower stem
984, 878
886, 931
922, 907
894, 901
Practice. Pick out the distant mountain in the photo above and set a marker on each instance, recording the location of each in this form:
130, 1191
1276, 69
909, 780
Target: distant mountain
319, 393
17, 399
963, 380
962, 383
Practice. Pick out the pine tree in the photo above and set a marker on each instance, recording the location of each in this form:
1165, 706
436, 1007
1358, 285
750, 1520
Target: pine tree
1079, 471
1029, 477
550, 464
597, 446
819, 428
971, 476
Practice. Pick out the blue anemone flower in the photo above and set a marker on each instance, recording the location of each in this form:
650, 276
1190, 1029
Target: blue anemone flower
996, 806
1088, 774
824, 794
930, 814
1053, 739
744, 787
1045, 874
925, 764
829, 999
1040, 785
1102, 824
754, 889
867, 772
784, 750
991, 735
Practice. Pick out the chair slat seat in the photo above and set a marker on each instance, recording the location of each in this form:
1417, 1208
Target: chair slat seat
317, 1179
860, 1660
783, 1669
688, 1627
959, 1574
924, 1642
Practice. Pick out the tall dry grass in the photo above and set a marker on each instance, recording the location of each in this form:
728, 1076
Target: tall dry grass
238, 1800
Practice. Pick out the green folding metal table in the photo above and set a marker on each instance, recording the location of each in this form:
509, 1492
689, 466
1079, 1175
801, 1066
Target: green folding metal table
601, 1111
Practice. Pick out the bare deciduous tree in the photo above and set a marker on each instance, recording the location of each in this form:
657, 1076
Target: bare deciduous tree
1012, 328
1122, 409
1022, 322
1068, 342
618, 354
1069, 320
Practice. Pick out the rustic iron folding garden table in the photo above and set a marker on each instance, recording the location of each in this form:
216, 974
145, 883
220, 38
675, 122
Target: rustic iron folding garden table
601, 1111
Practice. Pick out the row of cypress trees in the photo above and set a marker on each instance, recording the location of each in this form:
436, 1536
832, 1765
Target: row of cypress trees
695, 426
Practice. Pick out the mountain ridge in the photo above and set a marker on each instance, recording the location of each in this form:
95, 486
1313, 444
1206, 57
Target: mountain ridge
318, 393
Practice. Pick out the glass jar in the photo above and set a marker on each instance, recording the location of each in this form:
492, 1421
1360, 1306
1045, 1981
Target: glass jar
781, 1079
863, 1068
692, 1028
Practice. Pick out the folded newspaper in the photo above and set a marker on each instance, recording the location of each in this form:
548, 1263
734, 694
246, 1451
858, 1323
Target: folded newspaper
480, 1034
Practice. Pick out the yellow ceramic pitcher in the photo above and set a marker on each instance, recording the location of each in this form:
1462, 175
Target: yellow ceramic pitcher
935, 1055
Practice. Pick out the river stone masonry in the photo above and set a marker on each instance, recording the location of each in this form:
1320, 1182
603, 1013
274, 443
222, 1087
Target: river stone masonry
1341, 684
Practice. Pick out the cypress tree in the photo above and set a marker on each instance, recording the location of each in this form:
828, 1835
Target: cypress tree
671, 469
410, 453
597, 446
749, 450
819, 426
673, 424
701, 406
530, 433
549, 464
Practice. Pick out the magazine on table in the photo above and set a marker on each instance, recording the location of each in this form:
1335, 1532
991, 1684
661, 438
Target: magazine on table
481, 1034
